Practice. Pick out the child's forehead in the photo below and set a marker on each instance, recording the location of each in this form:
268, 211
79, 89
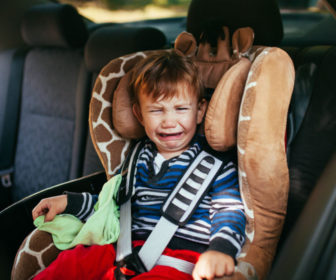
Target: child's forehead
176, 97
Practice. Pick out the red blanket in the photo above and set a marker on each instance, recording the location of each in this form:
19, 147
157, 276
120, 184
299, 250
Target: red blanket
97, 262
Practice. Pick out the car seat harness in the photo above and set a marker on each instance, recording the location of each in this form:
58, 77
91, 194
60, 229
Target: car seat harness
176, 211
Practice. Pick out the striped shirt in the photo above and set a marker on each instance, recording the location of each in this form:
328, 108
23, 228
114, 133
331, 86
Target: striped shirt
219, 220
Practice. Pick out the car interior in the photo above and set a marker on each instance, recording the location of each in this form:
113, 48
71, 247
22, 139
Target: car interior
46, 85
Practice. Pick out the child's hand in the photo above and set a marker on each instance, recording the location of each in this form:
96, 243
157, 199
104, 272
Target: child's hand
50, 207
213, 264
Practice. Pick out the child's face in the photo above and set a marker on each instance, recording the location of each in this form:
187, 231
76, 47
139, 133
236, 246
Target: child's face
170, 123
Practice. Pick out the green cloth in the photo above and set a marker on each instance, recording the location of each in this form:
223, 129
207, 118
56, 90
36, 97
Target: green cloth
101, 228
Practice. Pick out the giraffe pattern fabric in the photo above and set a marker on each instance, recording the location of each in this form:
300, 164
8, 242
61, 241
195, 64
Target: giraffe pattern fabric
36, 252
110, 146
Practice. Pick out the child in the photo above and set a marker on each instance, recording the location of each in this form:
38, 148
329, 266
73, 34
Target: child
169, 103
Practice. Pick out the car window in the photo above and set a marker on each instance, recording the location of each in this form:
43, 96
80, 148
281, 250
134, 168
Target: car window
100, 11
133, 10
301, 18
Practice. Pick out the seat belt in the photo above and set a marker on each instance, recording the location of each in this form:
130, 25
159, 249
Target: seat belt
8, 135
176, 211
11, 116
124, 243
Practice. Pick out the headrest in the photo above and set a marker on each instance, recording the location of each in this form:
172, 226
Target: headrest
53, 25
111, 116
263, 16
211, 68
109, 42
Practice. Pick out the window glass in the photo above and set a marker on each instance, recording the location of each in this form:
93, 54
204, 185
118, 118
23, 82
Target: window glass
299, 4
129, 10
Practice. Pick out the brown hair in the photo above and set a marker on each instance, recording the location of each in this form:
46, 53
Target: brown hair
161, 75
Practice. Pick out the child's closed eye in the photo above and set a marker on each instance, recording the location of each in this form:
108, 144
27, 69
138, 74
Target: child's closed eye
155, 110
182, 109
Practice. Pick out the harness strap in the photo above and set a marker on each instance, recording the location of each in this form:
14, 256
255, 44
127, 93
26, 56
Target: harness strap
11, 114
124, 244
181, 265
9, 125
176, 211
189, 191
180, 205
156, 242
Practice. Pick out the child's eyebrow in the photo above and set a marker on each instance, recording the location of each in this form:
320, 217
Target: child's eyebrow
153, 106
183, 104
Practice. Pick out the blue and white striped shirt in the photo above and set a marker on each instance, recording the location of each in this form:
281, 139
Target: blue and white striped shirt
219, 220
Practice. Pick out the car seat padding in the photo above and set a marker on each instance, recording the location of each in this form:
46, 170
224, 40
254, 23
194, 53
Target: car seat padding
263, 171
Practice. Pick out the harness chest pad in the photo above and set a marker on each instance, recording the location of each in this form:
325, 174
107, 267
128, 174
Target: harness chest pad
191, 188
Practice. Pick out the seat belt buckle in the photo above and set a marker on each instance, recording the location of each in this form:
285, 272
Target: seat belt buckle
129, 267
6, 180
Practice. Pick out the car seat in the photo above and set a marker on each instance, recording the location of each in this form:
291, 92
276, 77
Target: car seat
252, 89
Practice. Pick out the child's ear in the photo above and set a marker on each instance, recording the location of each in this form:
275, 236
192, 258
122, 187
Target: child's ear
202, 105
137, 112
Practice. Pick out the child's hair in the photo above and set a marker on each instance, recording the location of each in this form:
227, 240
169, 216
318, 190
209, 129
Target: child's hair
161, 75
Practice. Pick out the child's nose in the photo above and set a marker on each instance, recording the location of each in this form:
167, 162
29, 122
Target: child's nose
169, 120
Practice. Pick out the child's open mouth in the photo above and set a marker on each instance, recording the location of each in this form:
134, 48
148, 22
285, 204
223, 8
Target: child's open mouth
170, 135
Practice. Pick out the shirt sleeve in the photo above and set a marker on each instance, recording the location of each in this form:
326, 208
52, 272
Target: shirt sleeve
227, 213
80, 205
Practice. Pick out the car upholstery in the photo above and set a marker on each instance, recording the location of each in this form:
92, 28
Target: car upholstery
51, 141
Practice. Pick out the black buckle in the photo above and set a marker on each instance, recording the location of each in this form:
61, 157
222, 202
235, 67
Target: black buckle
129, 267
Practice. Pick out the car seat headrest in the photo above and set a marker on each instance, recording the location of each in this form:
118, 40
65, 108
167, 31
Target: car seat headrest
57, 25
109, 42
213, 62
211, 66
111, 106
263, 16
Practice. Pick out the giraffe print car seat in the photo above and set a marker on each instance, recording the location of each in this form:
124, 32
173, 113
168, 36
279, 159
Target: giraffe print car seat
248, 110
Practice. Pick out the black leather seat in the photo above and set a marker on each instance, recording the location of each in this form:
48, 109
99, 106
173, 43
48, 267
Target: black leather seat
314, 120
307, 246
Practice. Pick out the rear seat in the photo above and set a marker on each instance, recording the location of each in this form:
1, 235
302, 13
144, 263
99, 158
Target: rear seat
53, 143
6, 147
54, 35
61, 124
48, 132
